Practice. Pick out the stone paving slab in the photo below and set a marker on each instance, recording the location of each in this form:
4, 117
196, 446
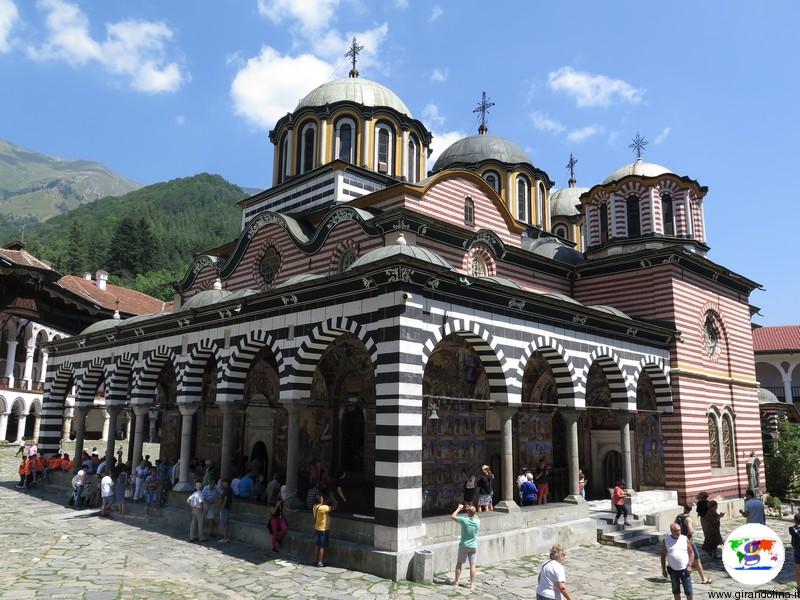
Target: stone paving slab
49, 551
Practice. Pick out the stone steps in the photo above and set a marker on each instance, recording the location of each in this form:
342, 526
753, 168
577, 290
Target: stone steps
636, 534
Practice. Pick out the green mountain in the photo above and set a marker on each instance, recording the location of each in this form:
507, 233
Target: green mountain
35, 187
145, 238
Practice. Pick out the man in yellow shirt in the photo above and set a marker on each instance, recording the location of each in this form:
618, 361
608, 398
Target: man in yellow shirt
321, 512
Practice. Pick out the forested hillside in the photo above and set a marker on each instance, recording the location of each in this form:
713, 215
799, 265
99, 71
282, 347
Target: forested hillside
146, 238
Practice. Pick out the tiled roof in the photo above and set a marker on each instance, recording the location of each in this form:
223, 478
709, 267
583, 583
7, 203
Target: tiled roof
784, 338
22, 258
131, 302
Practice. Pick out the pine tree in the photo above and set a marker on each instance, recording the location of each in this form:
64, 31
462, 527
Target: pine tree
123, 253
76, 259
148, 248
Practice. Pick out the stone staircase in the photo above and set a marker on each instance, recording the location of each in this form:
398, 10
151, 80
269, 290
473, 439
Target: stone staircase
635, 535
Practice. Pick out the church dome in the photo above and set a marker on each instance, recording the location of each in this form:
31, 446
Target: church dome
475, 149
354, 89
564, 202
638, 167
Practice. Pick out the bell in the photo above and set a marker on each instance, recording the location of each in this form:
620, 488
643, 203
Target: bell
434, 416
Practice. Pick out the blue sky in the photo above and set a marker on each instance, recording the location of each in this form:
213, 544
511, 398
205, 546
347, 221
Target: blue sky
157, 90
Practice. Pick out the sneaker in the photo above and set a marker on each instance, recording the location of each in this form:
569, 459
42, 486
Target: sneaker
319, 564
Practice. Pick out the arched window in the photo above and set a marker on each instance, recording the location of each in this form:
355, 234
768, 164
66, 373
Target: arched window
540, 195
711, 335
469, 211
561, 231
493, 179
345, 140
283, 159
603, 222
477, 267
383, 149
667, 215
689, 218
728, 444
270, 265
308, 147
523, 199
347, 258
412, 169
632, 212
713, 440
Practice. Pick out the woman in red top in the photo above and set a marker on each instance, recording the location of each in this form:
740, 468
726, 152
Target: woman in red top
618, 500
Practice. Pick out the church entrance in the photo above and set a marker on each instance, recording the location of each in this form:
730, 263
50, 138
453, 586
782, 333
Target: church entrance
612, 468
259, 420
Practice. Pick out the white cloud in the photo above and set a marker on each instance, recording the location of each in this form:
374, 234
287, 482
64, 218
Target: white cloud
431, 115
8, 16
401, 4
438, 75
332, 45
435, 13
269, 85
584, 133
441, 141
592, 90
661, 137
134, 49
542, 122
312, 15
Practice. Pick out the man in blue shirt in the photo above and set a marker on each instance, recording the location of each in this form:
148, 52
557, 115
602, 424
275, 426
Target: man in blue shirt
246, 484
468, 547
753, 509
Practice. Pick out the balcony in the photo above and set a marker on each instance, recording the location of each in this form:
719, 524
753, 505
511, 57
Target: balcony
779, 391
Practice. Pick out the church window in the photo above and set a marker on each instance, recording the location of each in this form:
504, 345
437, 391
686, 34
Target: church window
469, 211
270, 265
383, 150
667, 215
308, 146
561, 231
283, 162
412, 170
523, 199
603, 223
632, 212
711, 336
713, 441
477, 267
346, 260
345, 140
540, 195
727, 440
493, 179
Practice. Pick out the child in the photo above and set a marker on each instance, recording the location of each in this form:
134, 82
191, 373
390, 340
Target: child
321, 512
24, 472
210, 498
150, 492
226, 497
119, 490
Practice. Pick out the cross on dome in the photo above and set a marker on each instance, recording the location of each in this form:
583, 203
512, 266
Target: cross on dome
638, 145
483, 108
352, 54
571, 167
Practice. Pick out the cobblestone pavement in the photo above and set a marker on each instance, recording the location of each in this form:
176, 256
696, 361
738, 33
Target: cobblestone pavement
49, 551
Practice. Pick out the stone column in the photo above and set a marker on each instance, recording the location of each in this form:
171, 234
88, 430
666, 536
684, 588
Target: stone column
112, 413
185, 484
67, 425
229, 410
292, 441
3, 425
11, 353
21, 423
153, 421
43, 368
37, 422
787, 389
138, 434
624, 419
366, 130
27, 373
80, 413
507, 417
106, 423
571, 418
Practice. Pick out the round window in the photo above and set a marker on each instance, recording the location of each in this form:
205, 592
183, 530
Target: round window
711, 335
270, 265
347, 258
477, 268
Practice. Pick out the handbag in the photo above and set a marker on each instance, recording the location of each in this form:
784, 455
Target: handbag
128, 492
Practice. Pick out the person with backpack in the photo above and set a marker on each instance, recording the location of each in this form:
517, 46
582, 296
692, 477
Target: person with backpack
552, 584
794, 533
684, 521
